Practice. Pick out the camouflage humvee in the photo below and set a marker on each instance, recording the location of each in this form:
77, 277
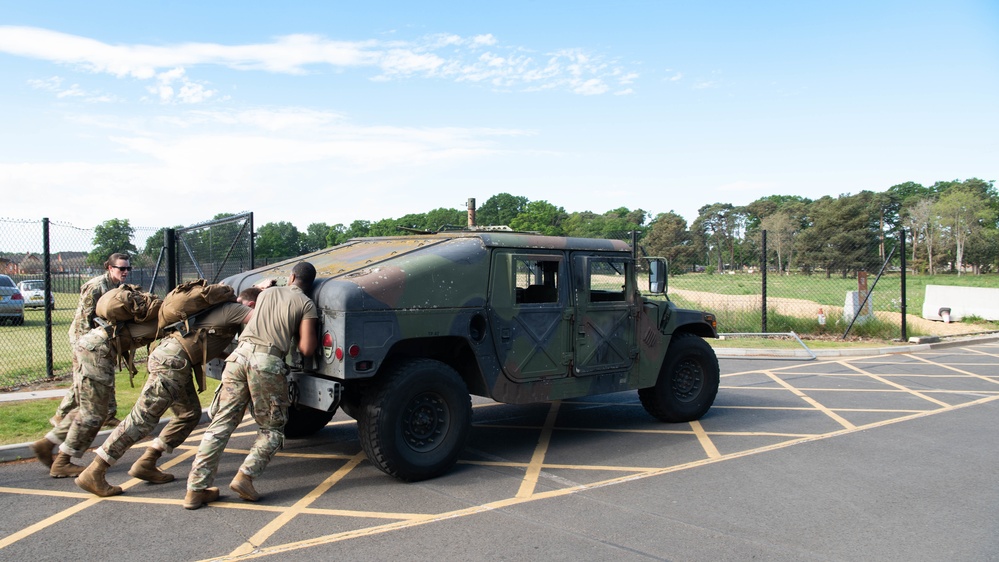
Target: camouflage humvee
411, 325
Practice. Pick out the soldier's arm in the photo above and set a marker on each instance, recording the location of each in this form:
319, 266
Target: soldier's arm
307, 340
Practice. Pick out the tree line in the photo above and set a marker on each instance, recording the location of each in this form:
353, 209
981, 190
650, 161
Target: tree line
950, 226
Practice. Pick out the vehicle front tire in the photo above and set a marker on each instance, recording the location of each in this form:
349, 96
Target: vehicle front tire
687, 384
303, 422
415, 424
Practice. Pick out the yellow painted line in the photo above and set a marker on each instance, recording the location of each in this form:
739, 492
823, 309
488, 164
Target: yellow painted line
704, 440
883, 380
287, 515
537, 459
371, 531
47, 522
839, 419
963, 372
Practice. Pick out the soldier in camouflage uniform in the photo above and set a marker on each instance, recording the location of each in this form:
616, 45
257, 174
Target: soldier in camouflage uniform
170, 385
98, 351
255, 373
118, 268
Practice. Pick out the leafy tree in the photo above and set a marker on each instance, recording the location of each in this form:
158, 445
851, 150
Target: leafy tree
278, 240
500, 210
843, 236
336, 235
113, 235
315, 237
540, 216
963, 213
668, 237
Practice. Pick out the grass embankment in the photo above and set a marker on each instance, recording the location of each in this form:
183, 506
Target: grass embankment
28, 420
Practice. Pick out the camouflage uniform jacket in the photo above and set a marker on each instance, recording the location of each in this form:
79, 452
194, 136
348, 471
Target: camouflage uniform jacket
86, 310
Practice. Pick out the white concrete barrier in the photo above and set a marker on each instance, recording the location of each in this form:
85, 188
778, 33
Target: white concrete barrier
950, 303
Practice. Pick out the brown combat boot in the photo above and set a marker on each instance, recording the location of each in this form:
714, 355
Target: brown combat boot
243, 485
145, 468
63, 467
43, 451
198, 498
92, 479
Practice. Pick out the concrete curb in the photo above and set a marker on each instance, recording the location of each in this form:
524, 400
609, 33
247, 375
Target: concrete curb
20, 451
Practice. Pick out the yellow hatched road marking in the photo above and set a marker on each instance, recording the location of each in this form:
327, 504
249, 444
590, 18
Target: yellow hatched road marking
815, 403
538, 458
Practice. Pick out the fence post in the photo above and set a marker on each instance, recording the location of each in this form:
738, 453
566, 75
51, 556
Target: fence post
47, 268
170, 242
763, 267
901, 240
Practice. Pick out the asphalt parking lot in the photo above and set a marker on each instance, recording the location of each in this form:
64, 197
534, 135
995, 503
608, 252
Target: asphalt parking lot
882, 457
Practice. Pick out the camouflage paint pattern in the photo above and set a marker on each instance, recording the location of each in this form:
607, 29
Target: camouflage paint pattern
450, 296
92, 390
249, 378
83, 322
170, 385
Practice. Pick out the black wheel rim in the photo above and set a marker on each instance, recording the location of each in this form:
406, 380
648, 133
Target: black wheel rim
687, 380
425, 422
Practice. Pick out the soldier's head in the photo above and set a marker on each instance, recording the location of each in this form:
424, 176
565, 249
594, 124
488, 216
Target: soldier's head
248, 296
118, 266
302, 275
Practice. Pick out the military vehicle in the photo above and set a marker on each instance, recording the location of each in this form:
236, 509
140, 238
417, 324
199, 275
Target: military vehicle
410, 326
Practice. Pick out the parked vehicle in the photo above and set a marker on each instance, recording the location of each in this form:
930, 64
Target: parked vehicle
33, 291
11, 302
411, 325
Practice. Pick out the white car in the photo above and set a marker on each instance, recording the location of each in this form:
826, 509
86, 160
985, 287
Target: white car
33, 292
11, 302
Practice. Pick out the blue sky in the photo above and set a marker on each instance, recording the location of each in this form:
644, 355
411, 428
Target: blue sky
166, 113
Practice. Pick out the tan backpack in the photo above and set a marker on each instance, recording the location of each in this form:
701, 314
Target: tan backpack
127, 303
189, 299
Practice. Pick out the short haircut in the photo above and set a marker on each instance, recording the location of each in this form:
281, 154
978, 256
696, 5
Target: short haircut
250, 293
305, 274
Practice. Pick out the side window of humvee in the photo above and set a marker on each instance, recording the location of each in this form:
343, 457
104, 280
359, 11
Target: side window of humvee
536, 280
607, 279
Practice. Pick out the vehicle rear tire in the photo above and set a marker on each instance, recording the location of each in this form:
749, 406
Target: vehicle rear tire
303, 422
18, 321
687, 384
416, 422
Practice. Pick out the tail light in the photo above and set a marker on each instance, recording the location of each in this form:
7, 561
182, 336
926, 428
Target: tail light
16, 297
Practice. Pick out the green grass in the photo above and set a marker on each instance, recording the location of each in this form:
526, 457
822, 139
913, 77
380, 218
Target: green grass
832, 291
28, 420
22, 348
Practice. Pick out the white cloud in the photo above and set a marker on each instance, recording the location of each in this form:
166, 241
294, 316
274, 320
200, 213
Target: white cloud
441, 55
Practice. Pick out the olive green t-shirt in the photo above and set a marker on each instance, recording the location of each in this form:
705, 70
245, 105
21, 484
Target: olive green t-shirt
277, 316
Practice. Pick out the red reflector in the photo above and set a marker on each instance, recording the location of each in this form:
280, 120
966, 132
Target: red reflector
339, 353
354, 350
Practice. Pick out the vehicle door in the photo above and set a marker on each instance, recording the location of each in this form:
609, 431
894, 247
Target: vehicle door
528, 314
605, 322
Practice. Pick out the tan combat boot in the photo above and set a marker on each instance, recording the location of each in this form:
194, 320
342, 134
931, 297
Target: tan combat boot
243, 485
92, 479
43, 451
198, 498
63, 467
145, 468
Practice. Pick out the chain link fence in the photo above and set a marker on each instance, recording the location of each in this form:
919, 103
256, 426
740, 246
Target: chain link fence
60, 258
830, 287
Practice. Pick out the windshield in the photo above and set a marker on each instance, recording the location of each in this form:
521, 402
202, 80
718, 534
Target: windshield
34, 285
5, 281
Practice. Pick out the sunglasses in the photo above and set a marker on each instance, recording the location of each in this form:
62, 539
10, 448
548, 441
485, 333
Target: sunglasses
122, 268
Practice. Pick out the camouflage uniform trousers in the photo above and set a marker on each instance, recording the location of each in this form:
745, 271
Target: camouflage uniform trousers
249, 377
69, 403
170, 386
92, 392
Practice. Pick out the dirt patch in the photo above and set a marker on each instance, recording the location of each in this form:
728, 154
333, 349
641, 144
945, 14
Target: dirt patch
802, 308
